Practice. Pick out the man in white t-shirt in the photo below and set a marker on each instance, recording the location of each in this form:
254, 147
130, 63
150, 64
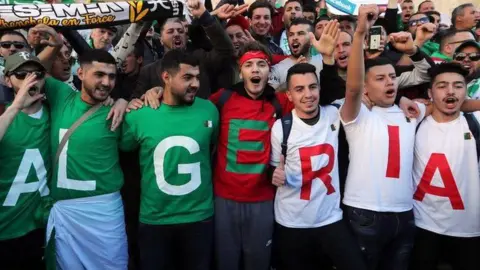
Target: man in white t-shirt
307, 202
300, 46
378, 192
446, 177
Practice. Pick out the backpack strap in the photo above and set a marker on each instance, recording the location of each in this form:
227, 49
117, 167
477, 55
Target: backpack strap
277, 106
335, 105
286, 127
224, 97
418, 125
474, 127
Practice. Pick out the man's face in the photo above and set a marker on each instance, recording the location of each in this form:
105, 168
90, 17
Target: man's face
342, 50
469, 17
381, 85
309, 16
184, 84
319, 28
304, 93
10, 44
407, 11
237, 35
292, 10
416, 21
456, 41
427, 6
261, 21
34, 37
448, 93
173, 35
347, 26
16, 78
98, 80
468, 57
298, 39
62, 65
132, 64
255, 75
102, 38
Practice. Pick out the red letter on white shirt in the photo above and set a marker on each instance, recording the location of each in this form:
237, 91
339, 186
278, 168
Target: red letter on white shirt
393, 165
323, 174
439, 161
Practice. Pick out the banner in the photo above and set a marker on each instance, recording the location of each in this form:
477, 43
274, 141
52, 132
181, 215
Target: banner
81, 16
350, 7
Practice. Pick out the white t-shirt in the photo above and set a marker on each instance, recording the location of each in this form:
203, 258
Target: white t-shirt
381, 145
445, 154
278, 74
311, 166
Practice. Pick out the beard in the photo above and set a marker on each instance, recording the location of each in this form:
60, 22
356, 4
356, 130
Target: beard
305, 50
95, 94
184, 97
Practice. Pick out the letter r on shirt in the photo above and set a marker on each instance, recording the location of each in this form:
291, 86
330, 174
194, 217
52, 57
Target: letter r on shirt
308, 175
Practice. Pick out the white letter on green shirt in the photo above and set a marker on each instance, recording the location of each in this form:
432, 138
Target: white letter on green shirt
193, 168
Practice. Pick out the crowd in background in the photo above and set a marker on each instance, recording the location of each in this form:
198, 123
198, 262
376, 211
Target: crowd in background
246, 136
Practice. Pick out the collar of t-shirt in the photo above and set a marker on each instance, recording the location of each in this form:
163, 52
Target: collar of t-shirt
312, 121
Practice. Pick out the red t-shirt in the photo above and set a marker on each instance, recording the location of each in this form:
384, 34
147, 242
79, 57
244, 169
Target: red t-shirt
243, 150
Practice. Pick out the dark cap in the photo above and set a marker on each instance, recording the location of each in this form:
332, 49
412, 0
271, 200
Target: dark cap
18, 59
468, 43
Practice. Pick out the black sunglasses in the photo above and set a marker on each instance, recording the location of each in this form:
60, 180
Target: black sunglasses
419, 21
461, 56
16, 44
20, 75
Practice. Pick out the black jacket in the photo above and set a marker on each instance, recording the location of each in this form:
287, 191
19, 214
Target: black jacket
211, 75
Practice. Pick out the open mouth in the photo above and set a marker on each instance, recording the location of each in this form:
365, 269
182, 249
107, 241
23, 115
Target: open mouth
467, 66
33, 90
177, 42
342, 57
295, 46
407, 16
390, 92
255, 80
450, 100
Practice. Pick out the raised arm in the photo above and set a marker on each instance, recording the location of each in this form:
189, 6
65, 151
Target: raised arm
367, 15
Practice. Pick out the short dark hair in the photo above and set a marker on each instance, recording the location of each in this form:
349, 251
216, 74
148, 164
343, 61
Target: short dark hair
255, 46
417, 13
420, 5
321, 18
407, 1
433, 12
459, 11
172, 59
259, 4
302, 68
449, 33
448, 67
310, 8
96, 55
298, 21
138, 49
167, 20
13, 33
294, 1
379, 61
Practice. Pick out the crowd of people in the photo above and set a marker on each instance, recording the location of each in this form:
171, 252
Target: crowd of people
245, 137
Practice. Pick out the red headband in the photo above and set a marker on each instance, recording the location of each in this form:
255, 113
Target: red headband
252, 55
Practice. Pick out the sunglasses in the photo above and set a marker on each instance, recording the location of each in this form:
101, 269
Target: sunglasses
20, 75
9, 44
419, 21
462, 56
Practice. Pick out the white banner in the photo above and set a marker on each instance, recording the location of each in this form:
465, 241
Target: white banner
350, 7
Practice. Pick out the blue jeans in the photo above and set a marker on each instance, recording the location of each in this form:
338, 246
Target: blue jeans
385, 238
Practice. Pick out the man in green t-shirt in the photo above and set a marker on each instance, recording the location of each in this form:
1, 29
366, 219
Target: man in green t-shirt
88, 213
176, 205
24, 164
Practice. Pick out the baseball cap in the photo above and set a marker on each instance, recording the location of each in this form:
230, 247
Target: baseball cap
468, 43
19, 59
240, 21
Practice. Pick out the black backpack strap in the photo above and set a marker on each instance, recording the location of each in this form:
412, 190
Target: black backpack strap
278, 107
286, 127
418, 125
224, 97
335, 105
474, 127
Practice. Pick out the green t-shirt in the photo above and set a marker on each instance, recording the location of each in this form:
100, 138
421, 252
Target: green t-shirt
88, 165
24, 170
175, 157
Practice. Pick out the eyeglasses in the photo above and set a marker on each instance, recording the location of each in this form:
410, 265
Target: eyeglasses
20, 75
16, 44
461, 56
419, 21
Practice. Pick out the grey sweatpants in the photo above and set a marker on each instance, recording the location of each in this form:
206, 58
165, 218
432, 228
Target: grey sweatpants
243, 234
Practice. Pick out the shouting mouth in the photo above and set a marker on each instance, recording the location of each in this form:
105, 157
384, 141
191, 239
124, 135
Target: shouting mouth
256, 80
451, 102
390, 93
